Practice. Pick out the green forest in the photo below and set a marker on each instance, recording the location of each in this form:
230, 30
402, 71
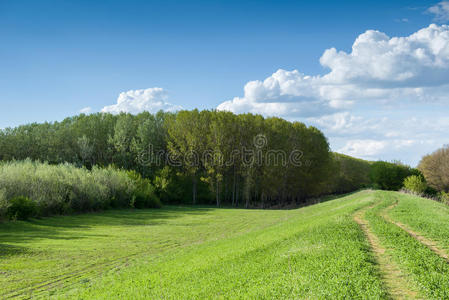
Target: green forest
189, 157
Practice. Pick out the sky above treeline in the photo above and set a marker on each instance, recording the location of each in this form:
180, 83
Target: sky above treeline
372, 75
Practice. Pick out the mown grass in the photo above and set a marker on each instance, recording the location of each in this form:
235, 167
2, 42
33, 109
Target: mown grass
428, 271
315, 252
194, 253
84, 246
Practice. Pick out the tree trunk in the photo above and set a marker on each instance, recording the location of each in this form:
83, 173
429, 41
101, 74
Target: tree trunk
247, 192
233, 189
262, 200
218, 194
236, 195
225, 194
194, 183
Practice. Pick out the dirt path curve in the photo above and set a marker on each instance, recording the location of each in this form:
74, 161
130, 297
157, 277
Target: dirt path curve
397, 286
432, 245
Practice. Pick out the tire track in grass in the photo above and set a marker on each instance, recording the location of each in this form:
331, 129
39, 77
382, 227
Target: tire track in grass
427, 271
395, 283
63, 280
88, 272
432, 245
70, 279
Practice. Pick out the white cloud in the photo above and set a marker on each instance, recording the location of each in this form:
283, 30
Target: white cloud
136, 101
378, 68
344, 124
441, 11
400, 136
86, 110
409, 151
371, 149
378, 61
363, 148
398, 82
284, 93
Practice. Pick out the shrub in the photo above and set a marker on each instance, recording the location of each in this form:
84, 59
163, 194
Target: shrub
21, 208
431, 192
64, 188
435, 168
144, 195
390, 176
349, 174
415, 184
4, 205
444, 197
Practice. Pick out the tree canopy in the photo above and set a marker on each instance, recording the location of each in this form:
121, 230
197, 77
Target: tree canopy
203, 156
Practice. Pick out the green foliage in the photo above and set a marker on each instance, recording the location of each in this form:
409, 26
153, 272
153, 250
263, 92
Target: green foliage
431, 192
443, 197
349, 174
4, 205
435, 168
198, 148
64, 188
256, 182
21, 208
175, 188
144, 195
390, 176
415, 184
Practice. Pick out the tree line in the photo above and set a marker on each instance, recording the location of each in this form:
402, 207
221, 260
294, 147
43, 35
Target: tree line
30, 189
207, 157
433, 181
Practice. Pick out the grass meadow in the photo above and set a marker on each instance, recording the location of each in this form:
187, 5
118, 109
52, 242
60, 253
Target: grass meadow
320, 251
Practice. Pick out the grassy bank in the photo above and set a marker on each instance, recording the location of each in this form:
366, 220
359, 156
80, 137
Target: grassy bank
356, 246
316, 251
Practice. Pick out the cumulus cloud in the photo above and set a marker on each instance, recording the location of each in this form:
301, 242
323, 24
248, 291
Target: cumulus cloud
441, 11
405, 136
380, 75
284, 93
363, 148
136, 101
344, 124
409, 151
379, 67
86, 110
378, 61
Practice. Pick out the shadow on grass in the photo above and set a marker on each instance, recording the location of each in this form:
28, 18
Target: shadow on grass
63, 227
7, 250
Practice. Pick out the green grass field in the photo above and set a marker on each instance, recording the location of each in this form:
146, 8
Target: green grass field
370, 244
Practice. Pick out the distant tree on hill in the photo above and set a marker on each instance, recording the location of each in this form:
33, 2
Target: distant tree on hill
415, 184
390, 176
435, 168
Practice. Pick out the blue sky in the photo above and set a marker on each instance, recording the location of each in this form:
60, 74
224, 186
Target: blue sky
59, 57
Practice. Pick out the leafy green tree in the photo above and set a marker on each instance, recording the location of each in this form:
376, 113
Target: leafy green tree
124, 133
204, 156
187, 142
415, 184
350, 174
390, 176
149, 143
435, 168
